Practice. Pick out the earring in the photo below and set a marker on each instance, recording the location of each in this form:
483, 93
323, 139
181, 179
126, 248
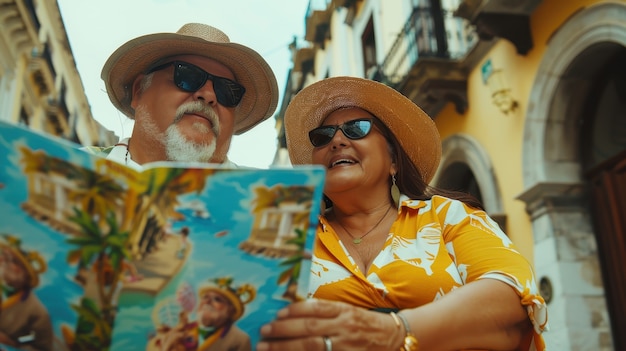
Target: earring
325, 204
395, 192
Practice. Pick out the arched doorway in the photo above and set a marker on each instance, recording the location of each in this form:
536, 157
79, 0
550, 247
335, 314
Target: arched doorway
573, 103
604, 168
465, 166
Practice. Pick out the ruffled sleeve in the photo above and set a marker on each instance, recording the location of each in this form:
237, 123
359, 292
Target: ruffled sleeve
481, 250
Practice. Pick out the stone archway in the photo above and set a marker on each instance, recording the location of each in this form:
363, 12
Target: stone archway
556, 194
461, 149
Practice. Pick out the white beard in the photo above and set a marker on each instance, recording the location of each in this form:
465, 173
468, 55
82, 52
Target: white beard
178, 148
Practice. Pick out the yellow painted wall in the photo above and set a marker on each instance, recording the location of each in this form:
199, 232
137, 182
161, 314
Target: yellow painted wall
502, 135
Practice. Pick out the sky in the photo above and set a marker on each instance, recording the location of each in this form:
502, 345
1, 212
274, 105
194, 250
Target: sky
96, 28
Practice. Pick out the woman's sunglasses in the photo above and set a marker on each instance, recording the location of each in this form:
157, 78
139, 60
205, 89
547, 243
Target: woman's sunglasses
190, 78
353, 130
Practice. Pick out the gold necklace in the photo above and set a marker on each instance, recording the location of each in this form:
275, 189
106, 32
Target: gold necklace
358, 240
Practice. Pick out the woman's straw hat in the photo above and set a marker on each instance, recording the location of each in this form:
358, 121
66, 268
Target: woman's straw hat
415, 130
250, 69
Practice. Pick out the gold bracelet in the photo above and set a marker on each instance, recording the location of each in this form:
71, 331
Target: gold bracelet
410, 341
395, 319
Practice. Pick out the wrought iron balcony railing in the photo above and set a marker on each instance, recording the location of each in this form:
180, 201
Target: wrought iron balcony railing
425, 36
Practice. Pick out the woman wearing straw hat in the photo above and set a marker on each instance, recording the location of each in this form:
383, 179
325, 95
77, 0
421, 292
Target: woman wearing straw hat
445, 274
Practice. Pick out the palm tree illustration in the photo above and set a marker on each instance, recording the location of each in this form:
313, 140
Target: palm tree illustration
293, 266
92, 331
97, 193
103, 254
157, 198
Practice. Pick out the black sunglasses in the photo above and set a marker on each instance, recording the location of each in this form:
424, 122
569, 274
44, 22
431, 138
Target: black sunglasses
190, 78
354, 130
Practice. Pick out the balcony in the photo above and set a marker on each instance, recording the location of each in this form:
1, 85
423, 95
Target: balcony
304, 62
424, 65
58, 116
344, 3
18, 25
318, 22
42, 71
509, 20
348, 4
57, 125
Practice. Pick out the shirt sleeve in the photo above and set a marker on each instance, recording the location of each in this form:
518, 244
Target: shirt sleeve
481, 250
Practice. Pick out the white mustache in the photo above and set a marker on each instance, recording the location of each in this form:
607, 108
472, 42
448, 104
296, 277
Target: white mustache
198, 107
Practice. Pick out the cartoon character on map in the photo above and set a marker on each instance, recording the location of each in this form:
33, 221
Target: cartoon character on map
24, 320
220, 305
184, 242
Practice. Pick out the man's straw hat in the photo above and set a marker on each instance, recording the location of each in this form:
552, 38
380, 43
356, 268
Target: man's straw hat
250, 69
415, 130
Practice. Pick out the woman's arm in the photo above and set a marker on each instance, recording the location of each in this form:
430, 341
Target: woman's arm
486, 314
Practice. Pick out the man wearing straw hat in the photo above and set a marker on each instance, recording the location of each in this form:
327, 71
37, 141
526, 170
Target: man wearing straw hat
188, 93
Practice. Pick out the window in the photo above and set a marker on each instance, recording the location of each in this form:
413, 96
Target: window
368, 42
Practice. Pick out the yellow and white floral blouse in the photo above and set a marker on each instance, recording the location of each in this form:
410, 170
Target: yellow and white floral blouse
433, 247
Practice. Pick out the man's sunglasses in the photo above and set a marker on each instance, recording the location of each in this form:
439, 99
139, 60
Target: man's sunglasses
190, 78
354, 130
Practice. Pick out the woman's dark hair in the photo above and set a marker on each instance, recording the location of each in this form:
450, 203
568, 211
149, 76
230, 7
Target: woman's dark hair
409, 179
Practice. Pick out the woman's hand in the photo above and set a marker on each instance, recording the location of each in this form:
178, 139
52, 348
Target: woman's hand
305, 325
484, 314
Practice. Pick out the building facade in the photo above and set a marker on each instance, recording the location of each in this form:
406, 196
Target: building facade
39, 84
529, 97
